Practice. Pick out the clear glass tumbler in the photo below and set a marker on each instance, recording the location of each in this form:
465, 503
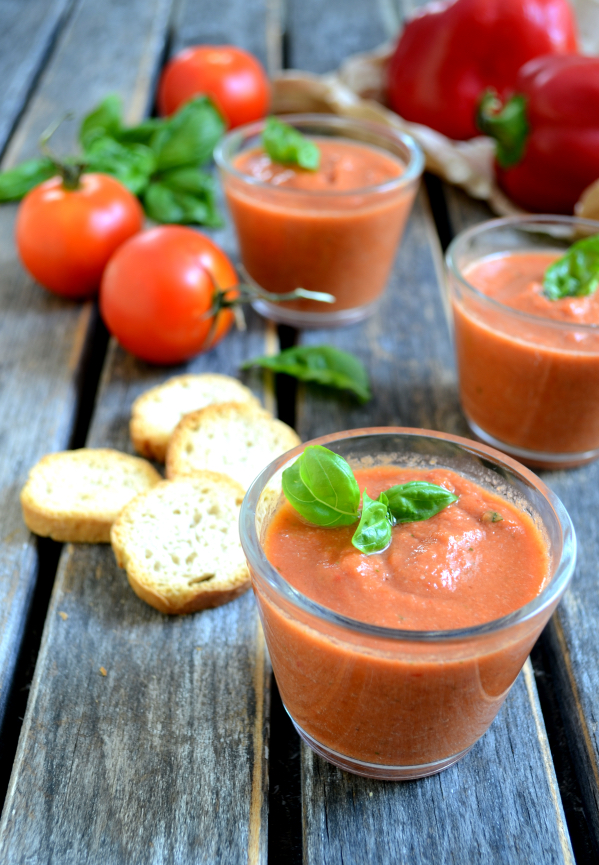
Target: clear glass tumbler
529, 385
389, 703
342, 242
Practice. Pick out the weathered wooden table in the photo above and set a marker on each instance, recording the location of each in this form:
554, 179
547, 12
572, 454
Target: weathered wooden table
182, 753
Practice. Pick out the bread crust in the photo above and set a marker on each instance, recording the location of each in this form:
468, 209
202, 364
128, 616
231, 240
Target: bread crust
151, 440
79, 522
181, 599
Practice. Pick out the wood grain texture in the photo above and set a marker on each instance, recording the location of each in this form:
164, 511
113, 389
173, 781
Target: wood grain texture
571, 636
470, 813
236, 22
42, 338
27, 34
163, 759
322, 35
501, 803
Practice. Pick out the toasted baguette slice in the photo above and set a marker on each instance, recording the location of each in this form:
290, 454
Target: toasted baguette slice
179, 544
156, 413
235, 438
77, 495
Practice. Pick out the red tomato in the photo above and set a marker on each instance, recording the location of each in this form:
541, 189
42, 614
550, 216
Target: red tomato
66, 236
233, 79
157, 289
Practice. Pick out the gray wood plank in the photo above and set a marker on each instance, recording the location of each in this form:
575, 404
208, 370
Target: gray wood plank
27, 34
42, 338
164, 759
322, 35
571, 636
501, 803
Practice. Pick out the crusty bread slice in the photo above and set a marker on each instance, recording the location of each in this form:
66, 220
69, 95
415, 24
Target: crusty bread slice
179, 543
76, 495
235, 438
156, 413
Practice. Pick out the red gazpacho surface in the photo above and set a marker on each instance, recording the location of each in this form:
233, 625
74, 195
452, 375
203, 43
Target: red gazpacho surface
404, 703
298, 229
530, 384
454, 570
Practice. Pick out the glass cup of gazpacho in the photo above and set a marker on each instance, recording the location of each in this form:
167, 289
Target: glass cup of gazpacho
393, 664
335, 229
527, 336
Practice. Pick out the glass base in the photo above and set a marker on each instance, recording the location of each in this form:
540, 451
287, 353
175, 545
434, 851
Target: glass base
377, 770
300, 319
534, 459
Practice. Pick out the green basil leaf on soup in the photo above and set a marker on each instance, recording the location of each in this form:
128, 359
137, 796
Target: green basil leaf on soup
322, 364
321, 486
17, 182
374, 529
576, 274
417, 500
286, 145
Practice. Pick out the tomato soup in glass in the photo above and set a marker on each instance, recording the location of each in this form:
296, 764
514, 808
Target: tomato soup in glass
392, 665
528, 366
333, 230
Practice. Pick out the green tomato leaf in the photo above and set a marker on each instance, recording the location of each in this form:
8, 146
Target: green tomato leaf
374, 529
417, 500
105, 120
286, 145
17, 182
131, 164
321, 486
189, 136
322, 364
576, 274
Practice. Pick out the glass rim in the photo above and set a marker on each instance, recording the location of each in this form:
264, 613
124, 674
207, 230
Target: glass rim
544, 218
259, 563
413, 167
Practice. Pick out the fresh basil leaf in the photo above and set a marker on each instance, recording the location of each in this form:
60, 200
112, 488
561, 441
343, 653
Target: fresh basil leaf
140, 134
131, 164
374, 530
189, 136
322, 364
167, 204
105, 120
17, 182
417, 500
286, 145
576, 274
321, 486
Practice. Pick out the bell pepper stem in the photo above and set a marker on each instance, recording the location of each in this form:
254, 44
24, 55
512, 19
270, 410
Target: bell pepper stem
506, 123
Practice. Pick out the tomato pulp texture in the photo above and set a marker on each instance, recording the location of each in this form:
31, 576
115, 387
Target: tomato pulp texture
157, 290
404, 703
232, 78
449, 53
299, 228
65, 237
523, 381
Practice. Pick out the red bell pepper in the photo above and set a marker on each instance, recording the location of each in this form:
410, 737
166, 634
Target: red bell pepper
548, 133
450, 52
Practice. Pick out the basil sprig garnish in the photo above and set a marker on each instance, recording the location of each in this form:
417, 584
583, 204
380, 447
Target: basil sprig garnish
321, 486
286, 145
374, 529
576, 274
417, 500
